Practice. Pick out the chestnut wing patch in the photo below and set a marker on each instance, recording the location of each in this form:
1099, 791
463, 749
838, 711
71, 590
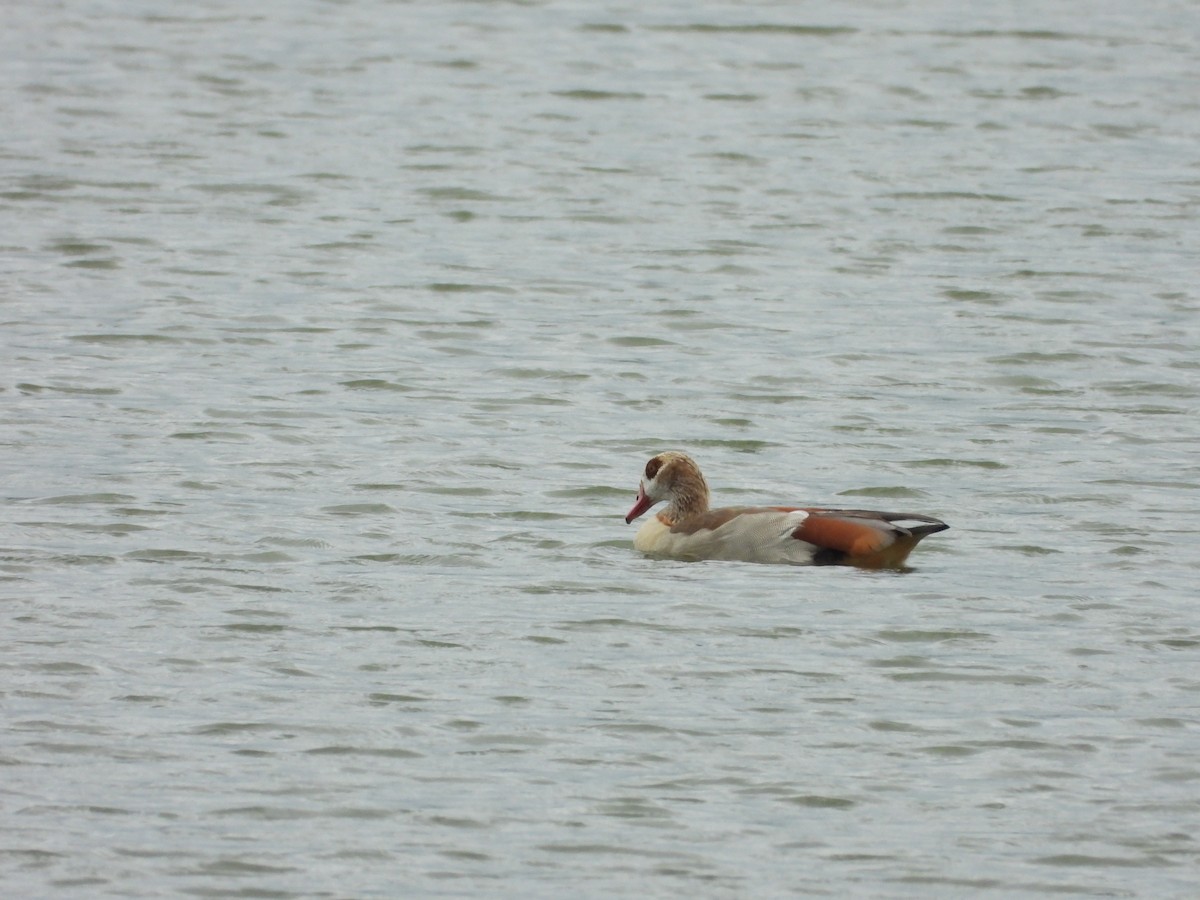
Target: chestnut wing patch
846, 532
863, 537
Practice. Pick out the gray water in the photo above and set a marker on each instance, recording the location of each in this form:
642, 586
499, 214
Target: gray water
335, 336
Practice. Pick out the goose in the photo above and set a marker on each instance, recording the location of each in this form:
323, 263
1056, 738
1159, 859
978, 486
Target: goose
687, 529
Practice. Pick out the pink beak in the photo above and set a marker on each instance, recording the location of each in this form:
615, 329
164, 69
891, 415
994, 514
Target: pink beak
643, 503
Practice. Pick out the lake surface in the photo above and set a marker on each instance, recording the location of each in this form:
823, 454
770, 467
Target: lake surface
335, 337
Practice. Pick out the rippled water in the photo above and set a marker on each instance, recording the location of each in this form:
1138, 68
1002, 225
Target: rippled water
335, 337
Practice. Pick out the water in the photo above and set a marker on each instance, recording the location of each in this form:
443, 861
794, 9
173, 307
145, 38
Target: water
335, 337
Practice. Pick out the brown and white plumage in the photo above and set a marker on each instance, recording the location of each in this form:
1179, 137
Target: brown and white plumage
687, 529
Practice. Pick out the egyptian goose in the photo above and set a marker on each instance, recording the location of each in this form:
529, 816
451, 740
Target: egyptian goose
688, 529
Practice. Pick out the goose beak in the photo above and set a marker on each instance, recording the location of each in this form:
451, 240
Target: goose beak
643, 503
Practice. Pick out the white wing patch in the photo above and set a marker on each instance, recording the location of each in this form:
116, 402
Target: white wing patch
792, 521
754, 536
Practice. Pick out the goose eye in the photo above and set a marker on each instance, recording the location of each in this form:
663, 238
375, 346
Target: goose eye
652, 467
